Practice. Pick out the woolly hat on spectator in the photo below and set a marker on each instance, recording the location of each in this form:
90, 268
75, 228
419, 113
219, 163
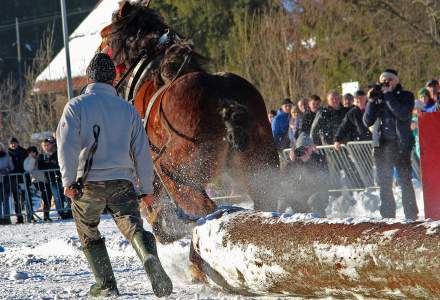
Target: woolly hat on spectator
13, 140
431, 82
304, 140
286, 101
101, 68
390, 73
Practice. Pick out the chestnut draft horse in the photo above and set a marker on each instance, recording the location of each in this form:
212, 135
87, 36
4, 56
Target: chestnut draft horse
199, 124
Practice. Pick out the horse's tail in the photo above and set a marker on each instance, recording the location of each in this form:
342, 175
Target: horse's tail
237, 120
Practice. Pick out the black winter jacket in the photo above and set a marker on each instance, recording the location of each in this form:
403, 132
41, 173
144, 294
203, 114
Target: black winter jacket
352, 127
306, 123
18, 156
47, 161
326, 124
392, 118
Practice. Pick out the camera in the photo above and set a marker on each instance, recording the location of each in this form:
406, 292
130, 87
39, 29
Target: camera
300, 151
376, 94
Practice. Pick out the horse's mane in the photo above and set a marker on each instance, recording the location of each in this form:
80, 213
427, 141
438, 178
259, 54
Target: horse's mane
140, 29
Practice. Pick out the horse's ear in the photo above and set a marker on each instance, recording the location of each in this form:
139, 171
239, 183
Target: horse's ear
125, 8
106, 31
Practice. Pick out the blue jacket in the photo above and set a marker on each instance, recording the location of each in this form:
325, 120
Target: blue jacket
280, 128
429, 107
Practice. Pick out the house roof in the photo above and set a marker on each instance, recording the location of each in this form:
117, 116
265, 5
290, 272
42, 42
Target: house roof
83, 43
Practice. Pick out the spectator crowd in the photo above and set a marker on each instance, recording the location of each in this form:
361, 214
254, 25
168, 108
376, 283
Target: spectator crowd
386, 114
27, 174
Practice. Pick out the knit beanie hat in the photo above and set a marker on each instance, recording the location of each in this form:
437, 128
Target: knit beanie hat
101, 68
286, 101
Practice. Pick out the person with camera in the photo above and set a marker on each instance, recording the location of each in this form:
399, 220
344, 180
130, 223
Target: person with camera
307, 177
389, 110
103, 155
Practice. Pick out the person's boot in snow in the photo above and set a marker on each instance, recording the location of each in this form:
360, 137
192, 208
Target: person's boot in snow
144, 244
97, 256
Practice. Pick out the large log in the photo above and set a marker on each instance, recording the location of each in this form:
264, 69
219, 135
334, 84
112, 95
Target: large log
258, 253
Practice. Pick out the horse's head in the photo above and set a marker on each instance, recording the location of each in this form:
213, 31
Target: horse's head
135, 27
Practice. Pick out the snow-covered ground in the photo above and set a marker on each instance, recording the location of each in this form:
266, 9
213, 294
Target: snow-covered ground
44, 260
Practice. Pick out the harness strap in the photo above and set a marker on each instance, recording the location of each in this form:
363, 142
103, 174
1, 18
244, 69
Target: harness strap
170, 126
181, 180
153, 101
138, 59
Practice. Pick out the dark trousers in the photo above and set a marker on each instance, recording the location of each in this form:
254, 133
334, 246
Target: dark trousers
388, 156
46, 195
4, 202
17, 195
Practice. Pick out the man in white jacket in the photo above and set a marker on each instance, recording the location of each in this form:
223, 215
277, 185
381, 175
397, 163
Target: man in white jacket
120, 162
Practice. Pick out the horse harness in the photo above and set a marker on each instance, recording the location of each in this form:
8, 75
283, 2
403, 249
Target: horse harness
139, 70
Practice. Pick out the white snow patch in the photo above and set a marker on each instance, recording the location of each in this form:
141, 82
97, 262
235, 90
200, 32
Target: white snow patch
236, 263
56, 247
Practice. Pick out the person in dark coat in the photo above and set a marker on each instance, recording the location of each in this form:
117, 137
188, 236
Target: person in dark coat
348, 101
390, 112
47, 161
307, 177
18, 155
305, 126
352, 127
327, 120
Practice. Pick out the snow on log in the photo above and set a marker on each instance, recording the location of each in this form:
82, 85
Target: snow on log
255, 253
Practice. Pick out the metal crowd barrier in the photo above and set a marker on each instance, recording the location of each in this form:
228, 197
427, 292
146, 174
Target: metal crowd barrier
352, 168
18, 193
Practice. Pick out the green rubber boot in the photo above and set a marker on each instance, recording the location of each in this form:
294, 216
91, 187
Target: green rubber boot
144, 244
97, 256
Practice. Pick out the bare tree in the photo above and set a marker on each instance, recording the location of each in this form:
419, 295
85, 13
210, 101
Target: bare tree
323, 43
27, 111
